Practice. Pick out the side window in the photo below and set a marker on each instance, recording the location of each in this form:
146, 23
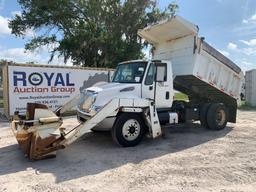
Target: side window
164, 70
150, 75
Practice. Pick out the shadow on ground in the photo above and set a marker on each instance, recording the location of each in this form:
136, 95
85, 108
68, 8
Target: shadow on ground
96, 152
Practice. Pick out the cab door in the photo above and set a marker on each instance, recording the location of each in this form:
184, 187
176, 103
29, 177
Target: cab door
162, 91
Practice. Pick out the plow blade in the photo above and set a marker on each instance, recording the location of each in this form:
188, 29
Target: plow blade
38, 133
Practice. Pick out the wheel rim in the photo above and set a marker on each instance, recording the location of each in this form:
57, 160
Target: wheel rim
221, 117
131, 129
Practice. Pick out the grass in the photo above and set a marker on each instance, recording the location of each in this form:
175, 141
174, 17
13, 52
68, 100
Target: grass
181, 96
246, 106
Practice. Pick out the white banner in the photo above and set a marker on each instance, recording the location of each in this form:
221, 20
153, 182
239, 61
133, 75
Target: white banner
51, 86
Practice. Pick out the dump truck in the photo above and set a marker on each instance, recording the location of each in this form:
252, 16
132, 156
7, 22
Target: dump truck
140, 98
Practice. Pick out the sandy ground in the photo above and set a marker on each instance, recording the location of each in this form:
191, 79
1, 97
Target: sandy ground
189, 159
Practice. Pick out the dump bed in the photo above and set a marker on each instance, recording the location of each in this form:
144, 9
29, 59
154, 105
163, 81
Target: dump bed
199, 70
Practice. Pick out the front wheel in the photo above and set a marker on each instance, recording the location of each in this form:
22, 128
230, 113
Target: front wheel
128, 130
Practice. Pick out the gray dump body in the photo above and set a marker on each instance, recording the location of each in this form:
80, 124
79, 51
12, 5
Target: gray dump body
199, 70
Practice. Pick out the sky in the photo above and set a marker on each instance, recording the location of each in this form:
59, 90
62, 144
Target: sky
228, 25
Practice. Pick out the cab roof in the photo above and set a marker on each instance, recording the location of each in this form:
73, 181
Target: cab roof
140, 60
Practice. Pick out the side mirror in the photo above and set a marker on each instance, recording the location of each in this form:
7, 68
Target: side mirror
160, 73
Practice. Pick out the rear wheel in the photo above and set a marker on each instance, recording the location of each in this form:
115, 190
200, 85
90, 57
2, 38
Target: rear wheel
203, 114
128, 130
217, 116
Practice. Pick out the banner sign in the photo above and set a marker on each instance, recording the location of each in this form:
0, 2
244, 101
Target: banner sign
52, 86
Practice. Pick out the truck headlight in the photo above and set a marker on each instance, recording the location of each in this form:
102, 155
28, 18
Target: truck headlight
87, 100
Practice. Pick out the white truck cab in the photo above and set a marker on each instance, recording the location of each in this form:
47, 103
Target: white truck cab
132, 79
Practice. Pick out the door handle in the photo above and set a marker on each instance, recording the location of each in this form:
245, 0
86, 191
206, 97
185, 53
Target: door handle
167, 95
150, 87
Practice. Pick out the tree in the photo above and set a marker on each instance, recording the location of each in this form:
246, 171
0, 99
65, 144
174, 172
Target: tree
97, 33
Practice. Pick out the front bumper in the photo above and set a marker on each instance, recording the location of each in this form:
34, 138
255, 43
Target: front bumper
105, 125
83, 116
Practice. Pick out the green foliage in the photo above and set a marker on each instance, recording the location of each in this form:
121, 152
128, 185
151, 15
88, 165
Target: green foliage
95, 33
181, 96
246, 106
173, 8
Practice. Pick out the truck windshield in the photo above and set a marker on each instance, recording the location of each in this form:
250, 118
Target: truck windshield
130, 72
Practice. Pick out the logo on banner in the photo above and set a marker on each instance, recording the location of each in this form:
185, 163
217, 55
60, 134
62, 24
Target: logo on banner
42, 82
35, 79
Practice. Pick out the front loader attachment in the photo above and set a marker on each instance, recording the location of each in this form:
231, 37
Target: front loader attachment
40, 134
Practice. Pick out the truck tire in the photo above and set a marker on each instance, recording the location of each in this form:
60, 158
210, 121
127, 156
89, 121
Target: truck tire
128, 130
203, 115
217, 116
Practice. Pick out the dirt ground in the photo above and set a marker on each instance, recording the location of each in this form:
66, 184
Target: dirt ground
189, 159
